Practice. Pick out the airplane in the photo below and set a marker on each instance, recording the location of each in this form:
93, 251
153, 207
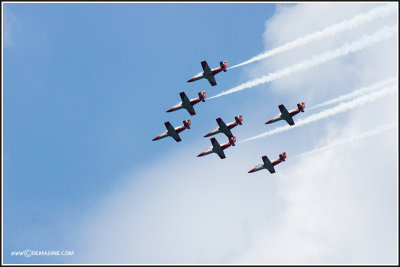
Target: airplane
217, 148
268, 165
225, 128
188, 104
209, 73
173, 132
287, 115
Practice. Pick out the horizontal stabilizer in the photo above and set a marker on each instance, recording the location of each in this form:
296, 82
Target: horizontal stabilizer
301, 106
239, 119
223, 65
187, 123
202, 96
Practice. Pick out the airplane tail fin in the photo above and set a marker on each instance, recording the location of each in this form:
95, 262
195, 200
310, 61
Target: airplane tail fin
202, 96
282, 156
232, 140
223, 65
187, 123
239, 119
301, 106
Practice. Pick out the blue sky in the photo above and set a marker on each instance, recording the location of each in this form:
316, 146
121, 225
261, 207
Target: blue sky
86, 88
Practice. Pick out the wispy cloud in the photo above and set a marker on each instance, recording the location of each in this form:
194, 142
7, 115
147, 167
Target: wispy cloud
329, 112
356, 93
384, 33
358, 20
350, 140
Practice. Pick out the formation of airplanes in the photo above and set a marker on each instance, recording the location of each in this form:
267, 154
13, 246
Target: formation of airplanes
223, 128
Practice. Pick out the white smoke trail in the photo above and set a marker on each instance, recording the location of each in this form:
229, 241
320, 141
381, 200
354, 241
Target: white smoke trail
370, 133
368, 40
358, 92
358, 20
342, 107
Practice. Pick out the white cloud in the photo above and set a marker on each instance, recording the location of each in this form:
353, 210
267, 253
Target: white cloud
335, 143
356, 93
337, 206
359, 19
182, 210
384, 33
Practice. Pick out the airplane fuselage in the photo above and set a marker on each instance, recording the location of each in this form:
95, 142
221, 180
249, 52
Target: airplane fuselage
188, 104
206, 152
268, 164
173, 132
226, 129
280, 117
161, 135
176, 107
276, 118
214, 150
259, 167
167, 133
203, 74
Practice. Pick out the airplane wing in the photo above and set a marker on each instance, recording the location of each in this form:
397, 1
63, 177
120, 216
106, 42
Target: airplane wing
190, 109
212, 80
268, 164
285, 115
283, 110
207, 73
223, 127
289, 120
205, 67
213, 131
172, 132
184, 98
186, 103
217, 148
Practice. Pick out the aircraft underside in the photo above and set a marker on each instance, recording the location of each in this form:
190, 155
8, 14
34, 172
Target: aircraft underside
257, 168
